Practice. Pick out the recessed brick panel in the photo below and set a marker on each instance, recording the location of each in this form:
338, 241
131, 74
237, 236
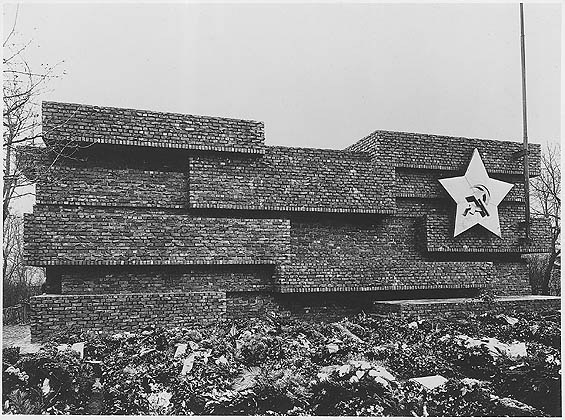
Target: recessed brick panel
136, 279
290, 179
90, 185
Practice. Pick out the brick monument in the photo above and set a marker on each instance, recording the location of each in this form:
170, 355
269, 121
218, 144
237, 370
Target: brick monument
168, 219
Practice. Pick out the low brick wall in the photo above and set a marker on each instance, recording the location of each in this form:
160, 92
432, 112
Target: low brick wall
433, 308
124, 312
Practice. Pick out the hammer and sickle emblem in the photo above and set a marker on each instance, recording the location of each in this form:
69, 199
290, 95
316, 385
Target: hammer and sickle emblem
478, 201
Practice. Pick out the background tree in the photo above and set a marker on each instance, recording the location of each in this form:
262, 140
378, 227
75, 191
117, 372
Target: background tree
25, 156
546, 202
19, 281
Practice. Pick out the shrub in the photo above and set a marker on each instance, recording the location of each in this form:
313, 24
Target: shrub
49, 381
461, 398
279, 366
536, 381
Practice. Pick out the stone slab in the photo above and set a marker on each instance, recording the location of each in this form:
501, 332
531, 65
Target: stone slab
431, 307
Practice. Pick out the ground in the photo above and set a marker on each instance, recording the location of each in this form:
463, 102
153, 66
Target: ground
18, 336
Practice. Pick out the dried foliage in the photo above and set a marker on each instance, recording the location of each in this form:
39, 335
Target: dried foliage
359, 366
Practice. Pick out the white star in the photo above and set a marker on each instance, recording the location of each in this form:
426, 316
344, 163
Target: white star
477, 197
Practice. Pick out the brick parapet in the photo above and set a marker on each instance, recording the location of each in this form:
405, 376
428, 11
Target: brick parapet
65, 122
445, 153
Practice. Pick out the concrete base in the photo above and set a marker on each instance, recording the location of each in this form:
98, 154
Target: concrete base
434, 307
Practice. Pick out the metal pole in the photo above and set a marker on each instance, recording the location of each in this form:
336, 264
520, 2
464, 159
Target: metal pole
525, 125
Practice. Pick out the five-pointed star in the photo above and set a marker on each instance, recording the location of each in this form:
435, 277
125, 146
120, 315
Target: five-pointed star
477, 197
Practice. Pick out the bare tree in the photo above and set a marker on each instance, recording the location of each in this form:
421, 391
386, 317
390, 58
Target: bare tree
546, 202
22, 89
26, 157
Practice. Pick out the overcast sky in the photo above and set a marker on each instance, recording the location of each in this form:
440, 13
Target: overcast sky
318, 75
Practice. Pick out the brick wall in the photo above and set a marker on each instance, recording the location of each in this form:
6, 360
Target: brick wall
511, 278
64, 122
124, 312
99, 237
290, 179
387, 254
555, 281
257, 304
439, 234
283, 179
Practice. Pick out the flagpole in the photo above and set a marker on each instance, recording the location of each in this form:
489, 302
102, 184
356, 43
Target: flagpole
525, 124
